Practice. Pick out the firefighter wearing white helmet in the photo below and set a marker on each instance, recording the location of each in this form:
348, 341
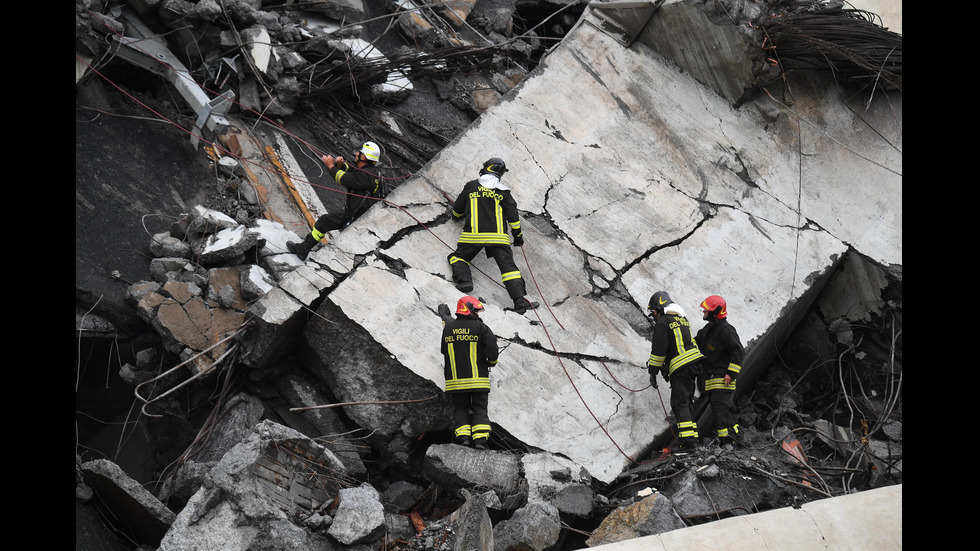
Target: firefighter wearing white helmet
469, 348
488, 209
723, 353
363, 185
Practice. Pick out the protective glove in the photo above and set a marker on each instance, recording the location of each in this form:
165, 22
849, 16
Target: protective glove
519, 240
663, 373
444, 313
653, 379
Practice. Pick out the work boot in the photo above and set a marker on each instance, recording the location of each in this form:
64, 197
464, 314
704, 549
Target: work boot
732, 439
686, 445
480, 444
464, 287
462, 441
522, 305
302, 248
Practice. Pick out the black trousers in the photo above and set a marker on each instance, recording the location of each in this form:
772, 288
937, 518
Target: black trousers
503, 255
470, 414
682, 385
331, 221
722, 401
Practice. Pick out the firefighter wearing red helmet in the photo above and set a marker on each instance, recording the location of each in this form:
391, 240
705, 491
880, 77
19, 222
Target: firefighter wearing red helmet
469, 349
723, 353
675, 355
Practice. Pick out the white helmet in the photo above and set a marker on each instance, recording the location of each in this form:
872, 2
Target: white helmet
371, 151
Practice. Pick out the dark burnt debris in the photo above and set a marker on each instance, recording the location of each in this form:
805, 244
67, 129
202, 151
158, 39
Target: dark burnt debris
832, 402
336, 63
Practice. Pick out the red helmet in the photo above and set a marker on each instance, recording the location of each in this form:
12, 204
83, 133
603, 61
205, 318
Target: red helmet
715, 305
468, 305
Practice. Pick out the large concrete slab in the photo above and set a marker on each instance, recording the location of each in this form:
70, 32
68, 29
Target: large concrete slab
631, 177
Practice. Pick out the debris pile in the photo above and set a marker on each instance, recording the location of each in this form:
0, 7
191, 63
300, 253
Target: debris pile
203, 287
259, 471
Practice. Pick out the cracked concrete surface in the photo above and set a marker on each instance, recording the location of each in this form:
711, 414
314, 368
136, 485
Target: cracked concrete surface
631, 178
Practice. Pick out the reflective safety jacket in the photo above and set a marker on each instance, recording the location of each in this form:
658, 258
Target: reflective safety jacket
672, 346
469, 348
723, 353
486, 214
361, 184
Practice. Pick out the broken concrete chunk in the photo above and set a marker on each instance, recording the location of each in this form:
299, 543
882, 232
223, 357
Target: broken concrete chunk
261, 491
651, 515
133, 504
224, 288
472, 526
460, 467
206, 221
255, 282
359, 517
227, 245
534, 527
181, 291
401, 495
138, 290
259, 47
163, 245
306, 283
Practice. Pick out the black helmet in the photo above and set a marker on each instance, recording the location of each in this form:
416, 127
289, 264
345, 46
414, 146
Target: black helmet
495, 165
658, 301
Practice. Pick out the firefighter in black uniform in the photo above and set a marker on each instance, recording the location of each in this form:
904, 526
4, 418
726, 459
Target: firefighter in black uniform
675, 355
487, 209
469, 348
723, 353
363, 181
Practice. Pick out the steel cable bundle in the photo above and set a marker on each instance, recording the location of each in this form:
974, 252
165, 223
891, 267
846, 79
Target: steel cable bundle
847, 41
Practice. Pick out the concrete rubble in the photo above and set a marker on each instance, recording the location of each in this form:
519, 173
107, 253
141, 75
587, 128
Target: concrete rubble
669, 170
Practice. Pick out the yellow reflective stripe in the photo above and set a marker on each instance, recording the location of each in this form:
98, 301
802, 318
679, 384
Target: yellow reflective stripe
452, 363
474, 210
684, 359
339, 175
734, 368
484, 238
457, 214
718, 384
481, 431
317, 234
515, 225
510, 275
454, 259
678, 341
721, 433
687, 429
465, 430
656, 361
475, 383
